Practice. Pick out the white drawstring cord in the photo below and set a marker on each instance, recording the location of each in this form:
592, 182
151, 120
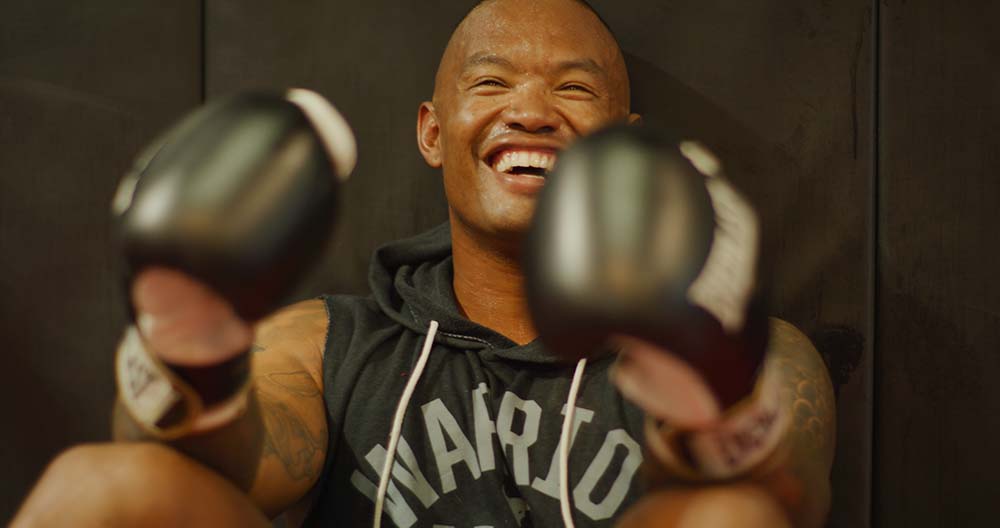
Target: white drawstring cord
564, 440
397, 423
404, 401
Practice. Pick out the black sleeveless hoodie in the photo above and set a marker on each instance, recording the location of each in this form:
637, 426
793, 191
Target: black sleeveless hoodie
479, 443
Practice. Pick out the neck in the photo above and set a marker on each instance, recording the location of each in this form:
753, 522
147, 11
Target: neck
489, 284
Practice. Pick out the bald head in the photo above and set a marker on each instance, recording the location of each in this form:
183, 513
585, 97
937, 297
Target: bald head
581, 3
559, 20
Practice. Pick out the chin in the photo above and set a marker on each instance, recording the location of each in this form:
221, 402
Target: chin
503, 228
493, 210
510, 213
509, 233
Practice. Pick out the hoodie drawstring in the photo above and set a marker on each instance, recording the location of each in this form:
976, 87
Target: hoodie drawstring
564, 440
397, 423
404, 402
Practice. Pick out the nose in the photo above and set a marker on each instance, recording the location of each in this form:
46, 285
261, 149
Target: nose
530, 110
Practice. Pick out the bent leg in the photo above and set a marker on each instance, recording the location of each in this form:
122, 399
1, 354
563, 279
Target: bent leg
737, 505
134, 484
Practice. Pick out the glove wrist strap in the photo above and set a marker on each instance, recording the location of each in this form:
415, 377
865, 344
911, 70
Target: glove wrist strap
169, 402
749, 438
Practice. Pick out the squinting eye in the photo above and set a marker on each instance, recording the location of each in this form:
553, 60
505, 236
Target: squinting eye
575, 88
490, 82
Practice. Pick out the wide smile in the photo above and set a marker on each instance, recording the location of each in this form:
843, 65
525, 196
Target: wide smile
522, 170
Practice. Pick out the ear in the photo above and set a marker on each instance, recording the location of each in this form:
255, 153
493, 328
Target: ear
634, 119
429, 135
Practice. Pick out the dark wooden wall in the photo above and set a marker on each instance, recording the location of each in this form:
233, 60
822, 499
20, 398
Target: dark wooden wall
861, 128
937, 403
83, 85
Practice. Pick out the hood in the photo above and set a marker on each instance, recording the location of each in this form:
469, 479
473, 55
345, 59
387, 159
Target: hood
411, 280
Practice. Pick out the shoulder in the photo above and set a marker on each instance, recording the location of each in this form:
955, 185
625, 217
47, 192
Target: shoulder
305, 321
294, 337
794, 355
305, 332
787, 331
807, 385
788, 343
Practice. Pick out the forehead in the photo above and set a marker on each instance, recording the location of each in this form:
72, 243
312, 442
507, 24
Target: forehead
544, 31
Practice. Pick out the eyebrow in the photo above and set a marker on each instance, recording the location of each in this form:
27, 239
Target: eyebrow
485, 58
587, 65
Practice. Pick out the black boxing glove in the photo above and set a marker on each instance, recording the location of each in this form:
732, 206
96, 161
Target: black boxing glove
240, 195
638, 235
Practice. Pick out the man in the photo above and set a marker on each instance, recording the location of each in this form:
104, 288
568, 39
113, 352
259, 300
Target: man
518, 81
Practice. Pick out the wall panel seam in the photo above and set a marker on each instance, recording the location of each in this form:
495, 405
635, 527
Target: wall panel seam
203, 77
876, 236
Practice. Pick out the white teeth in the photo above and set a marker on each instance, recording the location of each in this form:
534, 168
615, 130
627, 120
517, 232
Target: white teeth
524, 158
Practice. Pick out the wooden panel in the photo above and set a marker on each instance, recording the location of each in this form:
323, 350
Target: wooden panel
82, 86
782, 89
938, 411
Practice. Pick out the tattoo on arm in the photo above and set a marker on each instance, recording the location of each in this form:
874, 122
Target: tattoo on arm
808, 390
287, 436
802, 483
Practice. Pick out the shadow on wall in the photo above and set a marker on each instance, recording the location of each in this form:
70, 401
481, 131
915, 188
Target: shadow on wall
841, 348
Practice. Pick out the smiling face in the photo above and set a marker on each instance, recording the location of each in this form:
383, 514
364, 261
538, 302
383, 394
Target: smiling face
519, 80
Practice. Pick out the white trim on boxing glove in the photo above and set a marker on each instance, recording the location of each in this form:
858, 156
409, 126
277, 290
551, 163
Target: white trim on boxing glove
727, 281
159, 401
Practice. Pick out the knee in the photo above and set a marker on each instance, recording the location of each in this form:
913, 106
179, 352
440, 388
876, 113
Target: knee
96, 484
740, 505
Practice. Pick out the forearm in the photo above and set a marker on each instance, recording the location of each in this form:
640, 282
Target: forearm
233, 450
275, 449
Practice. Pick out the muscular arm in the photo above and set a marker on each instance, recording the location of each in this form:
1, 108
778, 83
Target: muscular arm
794, 487
274, 451
801, 483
